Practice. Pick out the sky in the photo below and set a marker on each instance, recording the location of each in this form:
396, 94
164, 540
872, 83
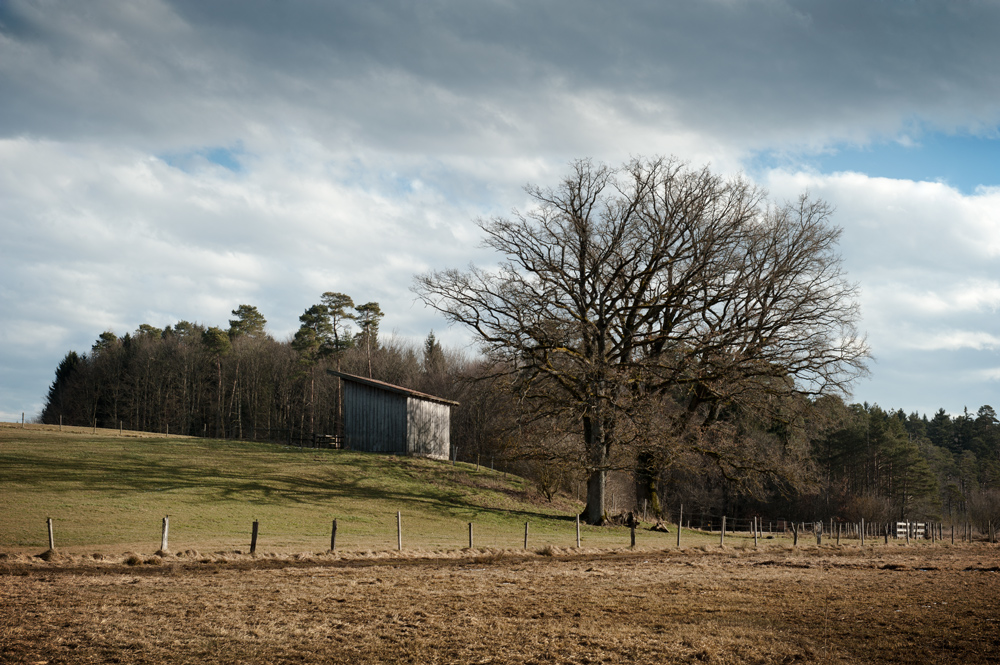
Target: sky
170, 160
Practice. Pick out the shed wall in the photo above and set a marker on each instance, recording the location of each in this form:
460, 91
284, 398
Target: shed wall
428, 428
374, 420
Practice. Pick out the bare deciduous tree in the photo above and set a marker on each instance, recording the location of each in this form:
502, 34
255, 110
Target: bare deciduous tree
625, 284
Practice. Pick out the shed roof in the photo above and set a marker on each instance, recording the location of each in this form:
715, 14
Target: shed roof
382, 385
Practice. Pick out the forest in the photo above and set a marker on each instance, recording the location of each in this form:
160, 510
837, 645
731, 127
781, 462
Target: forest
804, 459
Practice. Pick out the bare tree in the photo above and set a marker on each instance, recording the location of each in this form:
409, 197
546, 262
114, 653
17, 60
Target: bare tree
624, 285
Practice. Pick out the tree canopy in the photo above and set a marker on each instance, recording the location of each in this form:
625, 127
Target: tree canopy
622, 287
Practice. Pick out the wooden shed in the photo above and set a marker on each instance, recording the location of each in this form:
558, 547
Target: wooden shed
382, 418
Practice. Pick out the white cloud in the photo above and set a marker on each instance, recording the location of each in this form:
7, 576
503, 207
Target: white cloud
954, 340
369, 136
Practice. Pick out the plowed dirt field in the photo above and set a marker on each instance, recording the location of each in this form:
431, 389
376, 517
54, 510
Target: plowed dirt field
888, 604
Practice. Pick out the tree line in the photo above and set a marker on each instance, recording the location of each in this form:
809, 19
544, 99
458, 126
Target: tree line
239, 382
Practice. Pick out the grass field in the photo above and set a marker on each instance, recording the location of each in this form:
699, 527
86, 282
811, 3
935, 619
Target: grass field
104, 596
108, 493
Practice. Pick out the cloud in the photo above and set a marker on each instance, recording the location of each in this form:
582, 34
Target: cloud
954, 340
506, 78
925, 256
164, 160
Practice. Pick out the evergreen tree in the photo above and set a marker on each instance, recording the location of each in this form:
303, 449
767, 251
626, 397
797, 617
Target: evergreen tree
58, 398
939, 431
368, 317
217, 341
248, 322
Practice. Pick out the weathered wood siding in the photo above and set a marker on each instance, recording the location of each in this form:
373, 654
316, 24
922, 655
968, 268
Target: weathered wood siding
428, 427
374, 420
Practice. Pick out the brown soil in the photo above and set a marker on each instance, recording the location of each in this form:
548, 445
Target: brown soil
825, 605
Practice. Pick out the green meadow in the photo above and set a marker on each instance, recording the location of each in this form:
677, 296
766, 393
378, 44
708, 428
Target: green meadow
108, 492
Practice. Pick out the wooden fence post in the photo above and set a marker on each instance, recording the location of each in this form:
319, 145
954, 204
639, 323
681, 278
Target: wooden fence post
333, 536
755, 526
680, 521
795, 534
722, 533
165, 534
399, 531
52, 540
525, 535
253, 538
470, 535
862, 532
818, 527
578, 532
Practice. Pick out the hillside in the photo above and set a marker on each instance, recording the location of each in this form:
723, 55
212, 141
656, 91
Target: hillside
107, 491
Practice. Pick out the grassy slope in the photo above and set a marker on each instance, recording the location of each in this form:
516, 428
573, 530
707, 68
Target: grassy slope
107, 492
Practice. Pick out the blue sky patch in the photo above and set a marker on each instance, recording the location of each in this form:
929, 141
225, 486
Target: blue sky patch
227, 158
961, 161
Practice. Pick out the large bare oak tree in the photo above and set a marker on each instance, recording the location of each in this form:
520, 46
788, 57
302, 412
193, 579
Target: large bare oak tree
624, 287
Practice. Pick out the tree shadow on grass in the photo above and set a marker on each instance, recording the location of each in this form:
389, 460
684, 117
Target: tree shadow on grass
226, 473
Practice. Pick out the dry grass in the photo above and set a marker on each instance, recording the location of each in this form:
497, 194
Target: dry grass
824, 605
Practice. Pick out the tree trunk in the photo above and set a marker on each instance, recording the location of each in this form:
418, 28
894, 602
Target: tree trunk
596, 492
646, 480
595, 438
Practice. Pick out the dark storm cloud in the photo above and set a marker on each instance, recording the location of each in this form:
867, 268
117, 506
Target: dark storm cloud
421, 73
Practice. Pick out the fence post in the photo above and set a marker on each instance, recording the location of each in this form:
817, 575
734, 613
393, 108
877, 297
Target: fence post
795, 534
253, 538
632, 530
578, 531
680, 521
470, 535
862, 532
165, 534
722, 533
755, 525
399, 531
818, 527
525, 535
333, 536
52, 540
